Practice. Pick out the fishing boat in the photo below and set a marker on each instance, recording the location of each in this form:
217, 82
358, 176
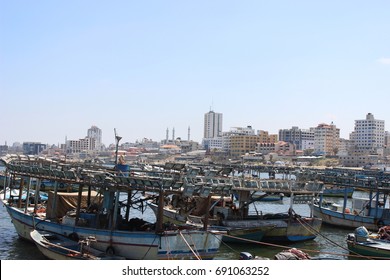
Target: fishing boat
337, 191
371, 211
363, 243
59, 247
232, 212
264, 196
98, 209
228, 234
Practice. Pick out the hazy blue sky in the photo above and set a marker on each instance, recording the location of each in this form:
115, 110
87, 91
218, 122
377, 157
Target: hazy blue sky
144, 66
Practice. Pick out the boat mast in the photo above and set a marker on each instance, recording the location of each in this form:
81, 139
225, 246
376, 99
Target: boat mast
5, 184
160, 210
117, 139
36, 195
21, 186
27, 194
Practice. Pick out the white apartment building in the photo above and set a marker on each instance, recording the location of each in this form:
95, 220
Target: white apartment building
95, 133
326, 139
387, 138
92, 142
369, 135
81, 145
216, 143
212, 125
242, 130
307, 144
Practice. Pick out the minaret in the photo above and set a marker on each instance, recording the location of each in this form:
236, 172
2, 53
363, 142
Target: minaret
173, 135
189, 133
166, 140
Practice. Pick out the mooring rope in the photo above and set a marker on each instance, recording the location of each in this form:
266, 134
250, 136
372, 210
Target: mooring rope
196, 250
185, 241
308, 227
169, 251
149, 247
224, 243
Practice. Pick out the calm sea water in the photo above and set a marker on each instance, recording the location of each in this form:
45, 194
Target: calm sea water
14, 248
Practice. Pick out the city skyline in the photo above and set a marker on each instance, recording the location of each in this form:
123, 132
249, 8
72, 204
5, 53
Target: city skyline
144, 67
170, 135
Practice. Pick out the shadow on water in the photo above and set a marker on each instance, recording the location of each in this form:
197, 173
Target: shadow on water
12, 247
24, 250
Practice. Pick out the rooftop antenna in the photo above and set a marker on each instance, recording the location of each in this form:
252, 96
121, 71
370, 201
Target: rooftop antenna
117, 139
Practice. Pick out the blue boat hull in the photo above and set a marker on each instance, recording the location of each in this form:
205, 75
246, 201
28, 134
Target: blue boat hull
348, 220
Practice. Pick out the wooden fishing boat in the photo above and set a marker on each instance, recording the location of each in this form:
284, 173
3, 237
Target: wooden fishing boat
361, 242
59, 247
272, 227
372, 211
228, 234
337, 191
264, 196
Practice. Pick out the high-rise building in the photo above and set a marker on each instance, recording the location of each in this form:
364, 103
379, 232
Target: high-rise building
301, 138
95, 133
33, 148
368, 135
326, 139
212, 125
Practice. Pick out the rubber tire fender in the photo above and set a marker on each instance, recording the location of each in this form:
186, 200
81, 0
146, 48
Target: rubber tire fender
110, 251
74, 236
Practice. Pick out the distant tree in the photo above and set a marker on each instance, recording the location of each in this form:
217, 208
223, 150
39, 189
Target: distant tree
271, 157
308, 152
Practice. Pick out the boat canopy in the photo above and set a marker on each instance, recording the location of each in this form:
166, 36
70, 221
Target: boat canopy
68, 201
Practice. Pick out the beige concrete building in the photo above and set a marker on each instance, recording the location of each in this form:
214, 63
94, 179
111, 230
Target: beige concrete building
326, 139
265, 137
358, 160
265, 148
242, 144
285, 148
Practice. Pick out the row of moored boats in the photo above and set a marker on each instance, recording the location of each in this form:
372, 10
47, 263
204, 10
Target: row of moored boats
195, 211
